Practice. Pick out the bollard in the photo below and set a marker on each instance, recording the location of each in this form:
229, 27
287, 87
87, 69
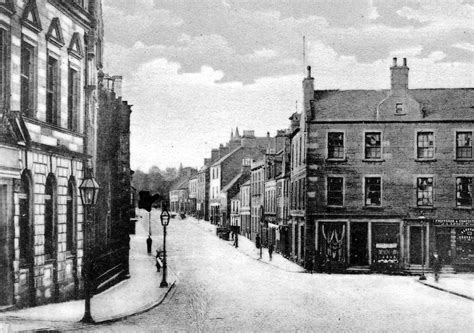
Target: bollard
149, 241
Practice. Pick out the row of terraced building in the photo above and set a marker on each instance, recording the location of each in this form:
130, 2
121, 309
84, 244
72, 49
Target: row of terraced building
366, 180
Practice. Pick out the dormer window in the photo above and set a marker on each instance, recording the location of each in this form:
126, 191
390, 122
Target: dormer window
399, 109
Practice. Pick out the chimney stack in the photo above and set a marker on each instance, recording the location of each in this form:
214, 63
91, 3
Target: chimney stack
117, 85
399, 76
214, 154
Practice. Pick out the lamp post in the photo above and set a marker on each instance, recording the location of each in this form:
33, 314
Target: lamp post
422, 220
89, 190
165, 220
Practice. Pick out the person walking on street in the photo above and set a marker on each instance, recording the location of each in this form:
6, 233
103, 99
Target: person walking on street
236, 240
270, 250
436, 266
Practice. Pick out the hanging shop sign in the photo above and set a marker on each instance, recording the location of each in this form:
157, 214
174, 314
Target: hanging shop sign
454, 222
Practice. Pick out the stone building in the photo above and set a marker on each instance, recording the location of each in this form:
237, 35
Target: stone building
245, 224
202, 195
238, 152
282, 198
52, 113
389, 175
114, 176
179, 191
257, 193
50, 54
193, 182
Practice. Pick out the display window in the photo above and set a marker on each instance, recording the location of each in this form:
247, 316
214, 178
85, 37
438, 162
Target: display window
385, 244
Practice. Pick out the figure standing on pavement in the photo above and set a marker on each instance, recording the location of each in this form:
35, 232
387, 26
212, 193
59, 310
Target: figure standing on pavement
436, 266
270, 250
257, 241
159, 264
236, 240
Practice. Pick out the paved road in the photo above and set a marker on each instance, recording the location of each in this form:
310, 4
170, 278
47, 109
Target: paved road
220, 289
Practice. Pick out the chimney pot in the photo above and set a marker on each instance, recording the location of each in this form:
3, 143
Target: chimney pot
309, 71
394, 62
405, 62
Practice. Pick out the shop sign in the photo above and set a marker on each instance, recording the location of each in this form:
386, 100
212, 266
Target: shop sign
466, 235
454, 222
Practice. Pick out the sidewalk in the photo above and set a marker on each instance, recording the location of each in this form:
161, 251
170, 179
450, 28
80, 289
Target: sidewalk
461, 284
247, 247
135, 295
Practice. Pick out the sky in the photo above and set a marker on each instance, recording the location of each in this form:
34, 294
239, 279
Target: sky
196, 69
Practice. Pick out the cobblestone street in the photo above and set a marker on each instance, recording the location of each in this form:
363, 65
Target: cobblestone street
221, 289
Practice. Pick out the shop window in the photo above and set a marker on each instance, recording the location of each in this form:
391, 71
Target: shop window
49, 212
336, 145
464, 145
425, 145
335, 194
385, 244
27, 79
52, 91
373, 146
464, 191
424, 191
73, 99
373, 191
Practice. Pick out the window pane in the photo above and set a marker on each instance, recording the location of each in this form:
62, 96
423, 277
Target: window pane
335, 191
373, 147
464, 191
425, 144
336, 145
372, 191
425, 191
464, 145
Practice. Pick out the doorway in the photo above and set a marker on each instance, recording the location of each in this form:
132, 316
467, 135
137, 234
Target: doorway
415, 245
359, 250
443, 245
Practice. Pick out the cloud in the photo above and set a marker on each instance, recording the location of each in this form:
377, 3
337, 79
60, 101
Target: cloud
187, 108
465, 46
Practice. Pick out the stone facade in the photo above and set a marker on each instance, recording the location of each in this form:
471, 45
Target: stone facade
389, 176
48, 136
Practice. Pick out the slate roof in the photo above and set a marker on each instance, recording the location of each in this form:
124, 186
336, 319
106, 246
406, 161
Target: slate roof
223, 158
182, 184
438, 104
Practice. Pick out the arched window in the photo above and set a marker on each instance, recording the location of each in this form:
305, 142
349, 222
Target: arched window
49, 217
24, 218
70, 216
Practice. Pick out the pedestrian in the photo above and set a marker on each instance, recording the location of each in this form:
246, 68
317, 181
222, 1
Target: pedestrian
270, 250
236, 240
159, 264
257, 241
436, 266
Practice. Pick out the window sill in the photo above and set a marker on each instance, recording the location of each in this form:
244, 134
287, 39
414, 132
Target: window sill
463, 159
399, 114
336, 160
368, 160
373, 207
425, 160
425, 207
70, 255
463, 208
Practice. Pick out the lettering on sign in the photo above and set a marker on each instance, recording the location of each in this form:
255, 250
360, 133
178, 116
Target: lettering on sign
466, 235
454, 222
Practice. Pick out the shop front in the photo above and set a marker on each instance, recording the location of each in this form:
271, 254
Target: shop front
454, 241
360, 244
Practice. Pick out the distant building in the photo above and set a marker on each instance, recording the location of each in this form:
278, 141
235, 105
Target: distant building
388, 176
240, 151
193, 189
245, 219
179, 191
257, 192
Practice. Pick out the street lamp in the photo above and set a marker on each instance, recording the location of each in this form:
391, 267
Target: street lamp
89, 190
165, 220
422, 220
